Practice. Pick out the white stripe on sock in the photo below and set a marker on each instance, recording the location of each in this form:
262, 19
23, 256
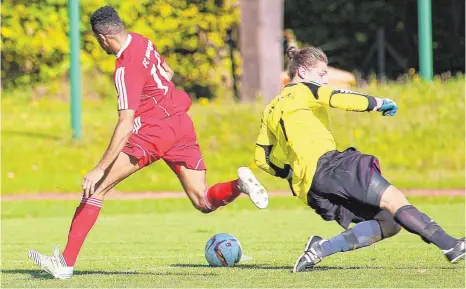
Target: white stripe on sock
93, 202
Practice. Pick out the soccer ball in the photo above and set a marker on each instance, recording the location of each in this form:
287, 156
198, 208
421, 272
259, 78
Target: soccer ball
223, 250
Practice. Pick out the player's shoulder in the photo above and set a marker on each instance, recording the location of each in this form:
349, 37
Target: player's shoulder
142, 42
133, 50
137, 45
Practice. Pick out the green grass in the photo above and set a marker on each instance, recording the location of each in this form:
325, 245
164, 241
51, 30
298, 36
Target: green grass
422, 147
160, 243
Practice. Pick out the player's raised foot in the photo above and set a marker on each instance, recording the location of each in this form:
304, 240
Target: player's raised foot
54, 265
456, 253
310, 256
249, 185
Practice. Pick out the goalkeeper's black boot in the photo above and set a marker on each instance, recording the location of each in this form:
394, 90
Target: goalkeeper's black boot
311, 256
457, 252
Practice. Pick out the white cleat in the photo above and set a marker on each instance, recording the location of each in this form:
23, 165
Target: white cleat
54, 265
249, 185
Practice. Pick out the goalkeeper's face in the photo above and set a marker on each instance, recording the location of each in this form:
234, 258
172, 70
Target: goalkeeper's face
318, 73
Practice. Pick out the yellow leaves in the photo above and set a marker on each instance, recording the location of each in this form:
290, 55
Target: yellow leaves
216, 39
191, 43
20, 8
211, 52
53, 18
170, 24
190, 12
165, 10
203, 24
226, 21
6, 32
203, 100
38, 35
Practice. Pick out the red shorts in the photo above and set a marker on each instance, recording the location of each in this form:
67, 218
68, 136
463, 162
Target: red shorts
172, 139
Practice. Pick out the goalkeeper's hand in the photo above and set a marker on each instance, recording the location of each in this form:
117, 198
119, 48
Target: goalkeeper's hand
387, 106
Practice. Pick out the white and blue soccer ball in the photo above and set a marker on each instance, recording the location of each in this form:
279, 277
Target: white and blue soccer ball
223, 250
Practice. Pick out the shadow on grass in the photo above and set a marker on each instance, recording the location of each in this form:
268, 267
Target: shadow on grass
43, 275
318, 268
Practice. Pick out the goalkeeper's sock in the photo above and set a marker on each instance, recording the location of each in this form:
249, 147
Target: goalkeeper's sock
420, 224
361, 235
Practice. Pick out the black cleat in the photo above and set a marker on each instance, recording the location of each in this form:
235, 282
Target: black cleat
310, 257
456, 253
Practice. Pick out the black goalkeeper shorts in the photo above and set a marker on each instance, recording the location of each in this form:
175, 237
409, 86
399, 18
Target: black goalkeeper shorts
347, 186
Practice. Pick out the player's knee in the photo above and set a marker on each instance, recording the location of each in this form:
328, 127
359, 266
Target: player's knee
393, 199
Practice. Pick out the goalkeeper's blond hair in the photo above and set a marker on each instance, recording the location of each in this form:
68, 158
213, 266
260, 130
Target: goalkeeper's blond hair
307, 57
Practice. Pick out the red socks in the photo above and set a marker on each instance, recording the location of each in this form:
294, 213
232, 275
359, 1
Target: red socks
86, 215
221, 194
84, 218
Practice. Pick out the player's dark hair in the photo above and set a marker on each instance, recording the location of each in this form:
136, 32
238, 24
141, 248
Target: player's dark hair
307, 57
106, 21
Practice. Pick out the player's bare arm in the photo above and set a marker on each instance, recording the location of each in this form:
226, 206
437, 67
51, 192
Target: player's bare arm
121, 134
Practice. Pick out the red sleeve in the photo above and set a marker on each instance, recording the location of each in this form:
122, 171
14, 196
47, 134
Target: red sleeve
158, 55
162, 60
129, 81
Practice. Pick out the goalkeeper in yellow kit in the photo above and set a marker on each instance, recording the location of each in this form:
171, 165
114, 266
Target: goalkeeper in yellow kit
343, 186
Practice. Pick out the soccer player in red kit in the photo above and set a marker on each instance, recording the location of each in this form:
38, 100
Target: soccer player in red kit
153, 124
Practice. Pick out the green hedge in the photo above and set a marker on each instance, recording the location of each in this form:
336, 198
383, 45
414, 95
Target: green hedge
421, 147
189, 33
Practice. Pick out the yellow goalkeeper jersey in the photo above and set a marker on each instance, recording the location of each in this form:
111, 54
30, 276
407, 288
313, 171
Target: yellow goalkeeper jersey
295, 130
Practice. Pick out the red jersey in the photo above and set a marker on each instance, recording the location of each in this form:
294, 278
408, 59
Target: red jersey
142, 83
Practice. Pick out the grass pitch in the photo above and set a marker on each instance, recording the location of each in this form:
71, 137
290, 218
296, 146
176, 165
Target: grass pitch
160, 243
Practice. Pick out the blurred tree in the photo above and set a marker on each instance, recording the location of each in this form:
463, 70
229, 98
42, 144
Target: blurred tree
346, 30
189, 33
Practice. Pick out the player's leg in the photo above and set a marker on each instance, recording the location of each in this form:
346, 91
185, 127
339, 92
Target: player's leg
61, 265
416, 222
185, 159
203, 198
207, 199
368, 188
381, 193
363, 234
88, 211
378, 192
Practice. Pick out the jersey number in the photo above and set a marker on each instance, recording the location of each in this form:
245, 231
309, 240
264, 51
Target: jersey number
157, 80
